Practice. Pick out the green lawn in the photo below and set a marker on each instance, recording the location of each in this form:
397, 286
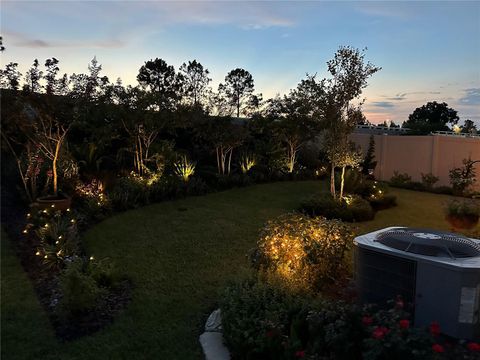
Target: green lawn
179, 254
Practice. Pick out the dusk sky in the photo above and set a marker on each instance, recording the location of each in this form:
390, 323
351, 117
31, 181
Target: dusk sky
427, 50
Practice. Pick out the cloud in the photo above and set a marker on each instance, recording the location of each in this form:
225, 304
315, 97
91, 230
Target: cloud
383, 104
471, 97
22, 40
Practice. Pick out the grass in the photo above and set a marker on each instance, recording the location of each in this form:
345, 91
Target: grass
179, 254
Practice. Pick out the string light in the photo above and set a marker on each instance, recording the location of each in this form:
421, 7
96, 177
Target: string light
68, 210
56, 242
29, 215
46, 225
91, 257
25, 231
45, 211
72, 221
60, 237
37, 253
45, 257
52, 206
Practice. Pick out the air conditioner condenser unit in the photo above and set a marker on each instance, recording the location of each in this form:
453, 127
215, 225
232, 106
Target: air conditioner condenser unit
438, 272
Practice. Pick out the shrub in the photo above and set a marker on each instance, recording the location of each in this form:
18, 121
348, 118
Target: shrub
303, 253
79, 288
383, 202
57, 236
465, 208
429, 180
130, 192
358, 183
447, 190
399, 180
463, 177
360, 208
261, 321
351, 208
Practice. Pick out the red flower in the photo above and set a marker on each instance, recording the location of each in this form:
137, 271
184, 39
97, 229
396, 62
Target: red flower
367, 320
300, 354
435, 328
380, 332
404, 324
473, 346
438, 348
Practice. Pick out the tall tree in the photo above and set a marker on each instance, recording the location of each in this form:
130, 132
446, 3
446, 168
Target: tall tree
10, 77
51, 74
33, 77
432, 116
349, 74
162, 81
238, 88
369, 162
469, 127
95, 83
195, 81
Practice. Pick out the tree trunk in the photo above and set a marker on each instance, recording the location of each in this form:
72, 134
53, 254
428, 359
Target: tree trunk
332, 181
229, 161
342, 183
54, 168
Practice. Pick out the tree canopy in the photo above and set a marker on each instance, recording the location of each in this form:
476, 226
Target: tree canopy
430, 117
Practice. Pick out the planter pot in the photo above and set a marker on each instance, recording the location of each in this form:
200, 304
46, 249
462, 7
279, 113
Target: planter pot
463, 222
60, 202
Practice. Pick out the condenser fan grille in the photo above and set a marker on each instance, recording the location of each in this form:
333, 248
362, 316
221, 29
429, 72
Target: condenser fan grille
429, 243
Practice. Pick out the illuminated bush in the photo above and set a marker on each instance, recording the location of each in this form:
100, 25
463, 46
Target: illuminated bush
247, 161
301, 252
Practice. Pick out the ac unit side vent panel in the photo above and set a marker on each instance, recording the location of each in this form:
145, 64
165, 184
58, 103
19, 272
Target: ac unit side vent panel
382, 277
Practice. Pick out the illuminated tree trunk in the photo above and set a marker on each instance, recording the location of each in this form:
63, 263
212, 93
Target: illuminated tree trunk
342, 183
332, 181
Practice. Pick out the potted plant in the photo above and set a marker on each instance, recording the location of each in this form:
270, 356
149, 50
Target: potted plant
463, 214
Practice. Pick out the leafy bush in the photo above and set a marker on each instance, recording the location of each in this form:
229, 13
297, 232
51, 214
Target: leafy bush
358, 183
130, 192
447, 190
261, 321
429, 180
400, 180
356, 209
303, 253
84, 281
463, 177
79, 288
383, 201
465, 208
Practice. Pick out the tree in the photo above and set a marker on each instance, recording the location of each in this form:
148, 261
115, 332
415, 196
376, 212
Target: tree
33, 77
51, 74
10, 77
469, 127
195, 81
238, 88
2, 48
161, 80
49, 135
369, 162
349, 75
431, 117
95, 84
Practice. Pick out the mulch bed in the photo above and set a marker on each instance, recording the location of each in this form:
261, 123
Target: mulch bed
47, 285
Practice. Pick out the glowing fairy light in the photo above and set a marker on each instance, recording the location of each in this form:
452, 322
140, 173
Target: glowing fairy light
68, 210
72, 221
60, 237
92, 258
37, 253
25, 231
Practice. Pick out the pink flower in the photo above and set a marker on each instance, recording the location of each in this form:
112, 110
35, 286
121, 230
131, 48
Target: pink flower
435, 328
300, 354
438, 348
367, 320
49, 173
473, 346
404, 324
380, 332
